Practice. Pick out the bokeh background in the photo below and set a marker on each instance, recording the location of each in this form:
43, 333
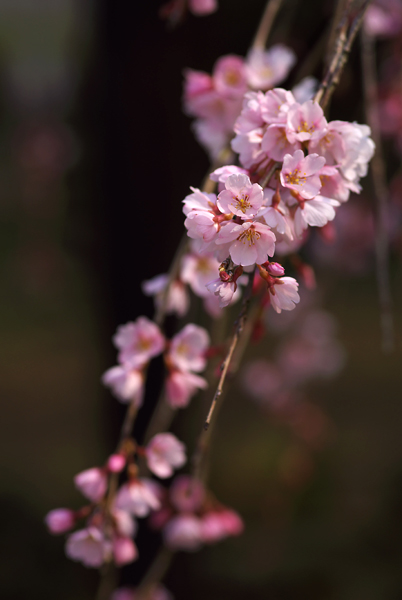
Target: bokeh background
95, 157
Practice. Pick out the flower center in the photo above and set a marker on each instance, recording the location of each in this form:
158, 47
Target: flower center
144, 344
242, 203
295, 177
250, 236
304, 128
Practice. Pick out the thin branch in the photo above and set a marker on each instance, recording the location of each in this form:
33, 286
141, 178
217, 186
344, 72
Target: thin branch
354, 17
204, 438
266, 23
378, 174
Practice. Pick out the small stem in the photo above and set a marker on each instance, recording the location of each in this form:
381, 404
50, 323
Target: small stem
265, 25
270, 173
378, 174
201, 451
343, 46
156, 572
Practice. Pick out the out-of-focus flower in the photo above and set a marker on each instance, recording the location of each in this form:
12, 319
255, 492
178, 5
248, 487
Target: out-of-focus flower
164, 453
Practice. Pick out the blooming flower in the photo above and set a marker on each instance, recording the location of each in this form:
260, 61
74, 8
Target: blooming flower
89, 546
138, 497
127, 384
183, 532
138, 342
240, 197
187, 494
181, 386
60, 520
250, 243
164, 453
92, 483
266, 68
301, 173
188, 347
305, 121
283, 294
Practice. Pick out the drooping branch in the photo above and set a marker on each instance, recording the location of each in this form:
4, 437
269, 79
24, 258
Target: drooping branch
378, 174
349, 26
266, 23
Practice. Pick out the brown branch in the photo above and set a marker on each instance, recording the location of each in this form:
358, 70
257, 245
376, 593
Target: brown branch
266, 23
380, 189
348, 28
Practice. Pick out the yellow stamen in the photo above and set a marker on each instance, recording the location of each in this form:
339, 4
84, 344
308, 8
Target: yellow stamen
248, 236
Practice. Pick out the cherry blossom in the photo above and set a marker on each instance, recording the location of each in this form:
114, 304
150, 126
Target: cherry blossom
116, 463
181, 386
266, 68
138, 497
187, 494
284, 294
224, 290
229, 76
164, 453
183, 532
301, 173
177, 300
126, 383
315, 212
203, 7
124, 550
249, 243
305, 122
138, 342
219, 524
188, 347
240, 197
89, 546
92, 483
60, 520
198, 270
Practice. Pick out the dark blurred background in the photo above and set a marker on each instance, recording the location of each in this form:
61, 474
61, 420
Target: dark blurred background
96, 156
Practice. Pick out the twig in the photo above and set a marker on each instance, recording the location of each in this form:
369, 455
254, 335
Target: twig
266, 23
204, 438
381, 194
342, 48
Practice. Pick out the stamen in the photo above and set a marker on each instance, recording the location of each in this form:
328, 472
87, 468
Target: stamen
249, 236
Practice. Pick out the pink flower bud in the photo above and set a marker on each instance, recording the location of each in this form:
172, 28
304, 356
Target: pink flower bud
124, 551
60, 520
92, 483
275, 269
116, 463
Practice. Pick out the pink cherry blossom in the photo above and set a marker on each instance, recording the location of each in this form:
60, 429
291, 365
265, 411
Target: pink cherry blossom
92, 483
138, 342
181, 386
164, 453
331, 144
283, 294
315, 212
183, 532
116, 463
229, 76
124, 523
126, 383
240, 197
138, 497
188, 347
224, 290
89, 546
305, 89
177, 301
305, 122
203, 7
219, 524
266, 68
276, 215
196, 84
301, 173
60, 520
220, 175
187, 494
333, 185
198, 201
124, 550
275, 143
274, 106
197, 270
250, 242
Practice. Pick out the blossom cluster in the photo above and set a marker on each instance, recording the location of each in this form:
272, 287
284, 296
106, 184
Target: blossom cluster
216, 100
190, 516
142, 340
296, 169
111, 519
